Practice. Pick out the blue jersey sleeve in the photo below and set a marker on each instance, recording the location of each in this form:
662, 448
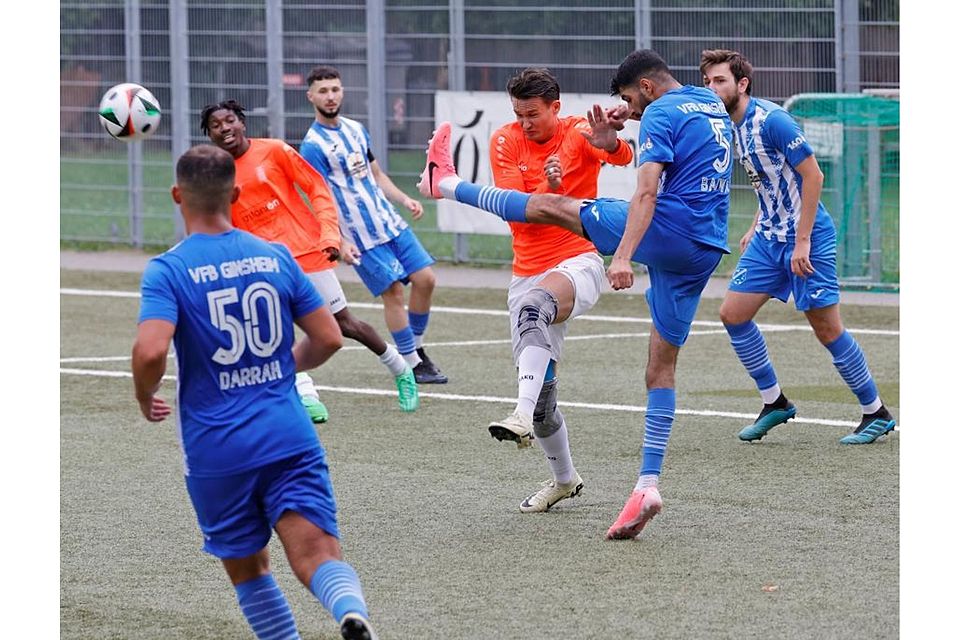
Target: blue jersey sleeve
656, 137
304, 297
157, 299
782, 132
312, 153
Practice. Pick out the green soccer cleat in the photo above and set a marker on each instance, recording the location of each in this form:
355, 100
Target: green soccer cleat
871, 427
315, 409
407, 394
769, 417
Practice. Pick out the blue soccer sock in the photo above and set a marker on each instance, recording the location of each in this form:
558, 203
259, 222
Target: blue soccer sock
337, 587
505, 203
751, 349
849, 360
418, 324
406, 343
266, 608
661, 406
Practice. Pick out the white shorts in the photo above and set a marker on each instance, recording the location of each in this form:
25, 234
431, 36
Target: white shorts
329, 287
585, 271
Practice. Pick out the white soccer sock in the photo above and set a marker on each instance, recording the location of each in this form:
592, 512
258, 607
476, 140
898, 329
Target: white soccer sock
873, 407
412, 358
532, 366
392, 360
305, 386
418, 340
769, 396
556, 447
649, 480
448, 186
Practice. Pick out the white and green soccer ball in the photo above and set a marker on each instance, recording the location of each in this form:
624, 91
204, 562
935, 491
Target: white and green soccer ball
128, 112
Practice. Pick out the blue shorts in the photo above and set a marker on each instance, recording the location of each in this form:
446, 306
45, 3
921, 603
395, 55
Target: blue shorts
237, 513
392, 261
765, 268
679, 267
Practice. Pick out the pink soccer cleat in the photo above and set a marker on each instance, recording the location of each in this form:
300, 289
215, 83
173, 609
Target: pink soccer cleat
439, 162
639, 510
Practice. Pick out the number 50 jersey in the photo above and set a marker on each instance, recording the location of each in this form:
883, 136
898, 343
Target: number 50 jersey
233, 298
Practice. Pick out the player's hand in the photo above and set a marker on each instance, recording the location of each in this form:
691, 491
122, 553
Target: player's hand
617, 116
155, 409
333, 254
745, 240
800, 260
553, 172
620, 274
414, 206
349, 252
603, 133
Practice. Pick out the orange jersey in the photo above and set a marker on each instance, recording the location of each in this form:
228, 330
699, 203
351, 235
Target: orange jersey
270, 206
517, 163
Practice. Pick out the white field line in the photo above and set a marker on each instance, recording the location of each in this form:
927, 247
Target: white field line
499, 400
502, 313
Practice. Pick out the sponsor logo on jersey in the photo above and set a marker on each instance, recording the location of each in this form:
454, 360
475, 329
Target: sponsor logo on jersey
796, 142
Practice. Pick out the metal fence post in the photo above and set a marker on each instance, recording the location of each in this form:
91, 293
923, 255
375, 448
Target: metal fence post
179, 95
133, 70
275, 103
642, 30
377, 80
847, 30
457, 81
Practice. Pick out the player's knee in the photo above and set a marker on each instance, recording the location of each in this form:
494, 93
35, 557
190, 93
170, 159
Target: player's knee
538, 309
731, 314
425, 279
350, 326
827, 332
547, 418
393, 295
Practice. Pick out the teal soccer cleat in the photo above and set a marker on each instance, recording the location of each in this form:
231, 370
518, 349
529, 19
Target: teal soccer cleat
871, 427
771, 415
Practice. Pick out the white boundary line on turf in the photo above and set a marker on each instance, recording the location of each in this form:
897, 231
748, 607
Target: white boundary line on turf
502, 313
496, 399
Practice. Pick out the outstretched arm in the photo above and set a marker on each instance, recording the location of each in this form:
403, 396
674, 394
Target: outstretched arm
149, 362
639, 215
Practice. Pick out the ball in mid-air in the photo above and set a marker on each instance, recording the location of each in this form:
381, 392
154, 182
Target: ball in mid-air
128, 112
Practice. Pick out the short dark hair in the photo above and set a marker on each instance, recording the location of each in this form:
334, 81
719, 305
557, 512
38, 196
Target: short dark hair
206, 176
322, 72
740, 67
642, 63
534, 82
229, 105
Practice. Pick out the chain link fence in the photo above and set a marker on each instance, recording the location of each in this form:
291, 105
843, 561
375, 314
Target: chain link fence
394, 55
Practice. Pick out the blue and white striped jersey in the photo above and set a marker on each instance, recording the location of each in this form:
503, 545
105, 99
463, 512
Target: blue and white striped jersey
771, 144
342, 155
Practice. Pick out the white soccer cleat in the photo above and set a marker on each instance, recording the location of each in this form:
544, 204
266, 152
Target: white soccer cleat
439, 163
516, 427
551, 493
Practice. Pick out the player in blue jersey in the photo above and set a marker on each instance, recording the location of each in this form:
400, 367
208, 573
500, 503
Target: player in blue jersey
791, 248
375, 239
676, 224
228, 301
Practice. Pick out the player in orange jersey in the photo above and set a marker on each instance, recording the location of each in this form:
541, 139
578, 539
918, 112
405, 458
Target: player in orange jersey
268, 174
557, 275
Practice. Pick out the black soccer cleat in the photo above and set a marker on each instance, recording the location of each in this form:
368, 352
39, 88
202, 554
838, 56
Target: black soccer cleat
356, 627
426, 372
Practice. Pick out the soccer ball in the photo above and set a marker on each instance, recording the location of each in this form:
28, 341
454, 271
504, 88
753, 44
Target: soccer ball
129, 112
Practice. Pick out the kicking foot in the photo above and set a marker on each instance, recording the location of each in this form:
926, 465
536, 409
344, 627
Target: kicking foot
407, 394
439, 162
